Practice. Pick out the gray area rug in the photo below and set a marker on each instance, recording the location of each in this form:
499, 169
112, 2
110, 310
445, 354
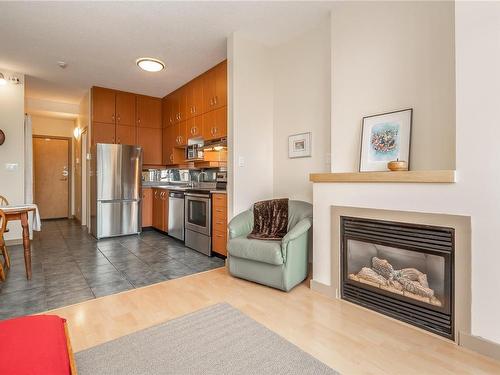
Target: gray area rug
216, 340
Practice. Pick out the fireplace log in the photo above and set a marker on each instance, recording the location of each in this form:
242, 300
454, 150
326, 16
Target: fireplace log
370, 275
409, 278
415, 275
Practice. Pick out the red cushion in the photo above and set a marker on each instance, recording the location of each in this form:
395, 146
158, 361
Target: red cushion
34, 345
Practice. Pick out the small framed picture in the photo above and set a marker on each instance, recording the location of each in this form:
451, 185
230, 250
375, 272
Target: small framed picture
299, 145
384, 138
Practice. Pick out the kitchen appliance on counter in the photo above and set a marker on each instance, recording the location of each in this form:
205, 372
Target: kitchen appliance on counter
198, 220
115, 190
176, 214
221, 180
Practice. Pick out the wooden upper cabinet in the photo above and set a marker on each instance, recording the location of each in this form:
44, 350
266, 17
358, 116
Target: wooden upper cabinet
214, 124
208, 82
150, 139
125, 108
182, 99
181, 134
194, 98
215, 87
126, 135
174, 102
165, 112
194, 127
148, 111
221, 85
103, 133
166, 145
103, 105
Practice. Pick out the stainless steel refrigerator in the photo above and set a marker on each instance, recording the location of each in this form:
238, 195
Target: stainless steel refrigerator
115, 190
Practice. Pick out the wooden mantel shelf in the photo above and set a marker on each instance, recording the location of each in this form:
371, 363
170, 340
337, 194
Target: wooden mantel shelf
433, 177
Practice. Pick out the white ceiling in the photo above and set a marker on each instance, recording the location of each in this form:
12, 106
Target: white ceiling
100, 41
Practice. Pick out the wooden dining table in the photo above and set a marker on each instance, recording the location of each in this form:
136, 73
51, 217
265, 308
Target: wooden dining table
22, 215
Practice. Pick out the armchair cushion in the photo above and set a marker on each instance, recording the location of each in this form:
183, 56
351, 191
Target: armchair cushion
257, 250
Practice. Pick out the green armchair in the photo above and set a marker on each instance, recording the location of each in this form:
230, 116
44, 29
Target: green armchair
278, 264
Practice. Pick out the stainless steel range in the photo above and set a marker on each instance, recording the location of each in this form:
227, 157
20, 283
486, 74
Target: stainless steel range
198, 220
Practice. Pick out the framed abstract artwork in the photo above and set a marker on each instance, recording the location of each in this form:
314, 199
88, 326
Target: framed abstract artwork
384, 138
299, 145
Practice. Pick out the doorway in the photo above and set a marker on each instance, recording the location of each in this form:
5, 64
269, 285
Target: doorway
51, 185
83, 156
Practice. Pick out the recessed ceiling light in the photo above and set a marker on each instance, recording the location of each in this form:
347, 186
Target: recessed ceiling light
150, 65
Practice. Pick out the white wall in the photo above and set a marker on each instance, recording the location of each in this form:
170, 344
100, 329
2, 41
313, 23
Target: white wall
250, 123
301, 69
12, 151
53, 126
388, 56
476, 194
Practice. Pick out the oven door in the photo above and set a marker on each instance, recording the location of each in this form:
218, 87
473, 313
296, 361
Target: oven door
198, 213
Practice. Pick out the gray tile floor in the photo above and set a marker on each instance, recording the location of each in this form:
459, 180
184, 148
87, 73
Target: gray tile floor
69, 266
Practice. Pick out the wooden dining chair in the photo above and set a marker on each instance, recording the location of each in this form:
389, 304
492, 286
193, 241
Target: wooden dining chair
3, 248
3, 201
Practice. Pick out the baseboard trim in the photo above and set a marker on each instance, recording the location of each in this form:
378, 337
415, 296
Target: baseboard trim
480, 345
326, 290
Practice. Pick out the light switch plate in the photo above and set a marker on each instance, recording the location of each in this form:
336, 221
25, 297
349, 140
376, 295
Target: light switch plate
11, 167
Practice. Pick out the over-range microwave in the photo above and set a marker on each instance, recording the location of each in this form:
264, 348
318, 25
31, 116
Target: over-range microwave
194, 152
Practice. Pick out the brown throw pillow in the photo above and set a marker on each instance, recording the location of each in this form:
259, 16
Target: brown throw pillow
270, 219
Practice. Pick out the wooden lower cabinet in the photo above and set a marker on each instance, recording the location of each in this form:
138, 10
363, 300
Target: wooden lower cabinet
150, 141
147, 207
160, 209
219, 223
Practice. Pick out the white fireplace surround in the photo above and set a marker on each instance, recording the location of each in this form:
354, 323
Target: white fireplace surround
461, 224
476, 191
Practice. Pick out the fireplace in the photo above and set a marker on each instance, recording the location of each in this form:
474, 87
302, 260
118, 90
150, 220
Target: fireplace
401, 270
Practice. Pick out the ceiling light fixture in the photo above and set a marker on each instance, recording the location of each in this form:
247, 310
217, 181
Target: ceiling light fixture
3, 81
150, 65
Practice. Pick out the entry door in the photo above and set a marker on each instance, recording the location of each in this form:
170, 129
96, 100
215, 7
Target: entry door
51, 176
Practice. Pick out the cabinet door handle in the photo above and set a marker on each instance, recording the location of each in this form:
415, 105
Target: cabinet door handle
118, 118
180, 139
113, 117
211, 101
194, 109
118, 141
172, 158
215, 99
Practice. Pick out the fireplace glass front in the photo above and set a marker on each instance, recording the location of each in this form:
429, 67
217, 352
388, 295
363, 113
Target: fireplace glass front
401, 270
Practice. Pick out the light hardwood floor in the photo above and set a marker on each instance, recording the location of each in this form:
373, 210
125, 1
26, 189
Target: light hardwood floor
346, 337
